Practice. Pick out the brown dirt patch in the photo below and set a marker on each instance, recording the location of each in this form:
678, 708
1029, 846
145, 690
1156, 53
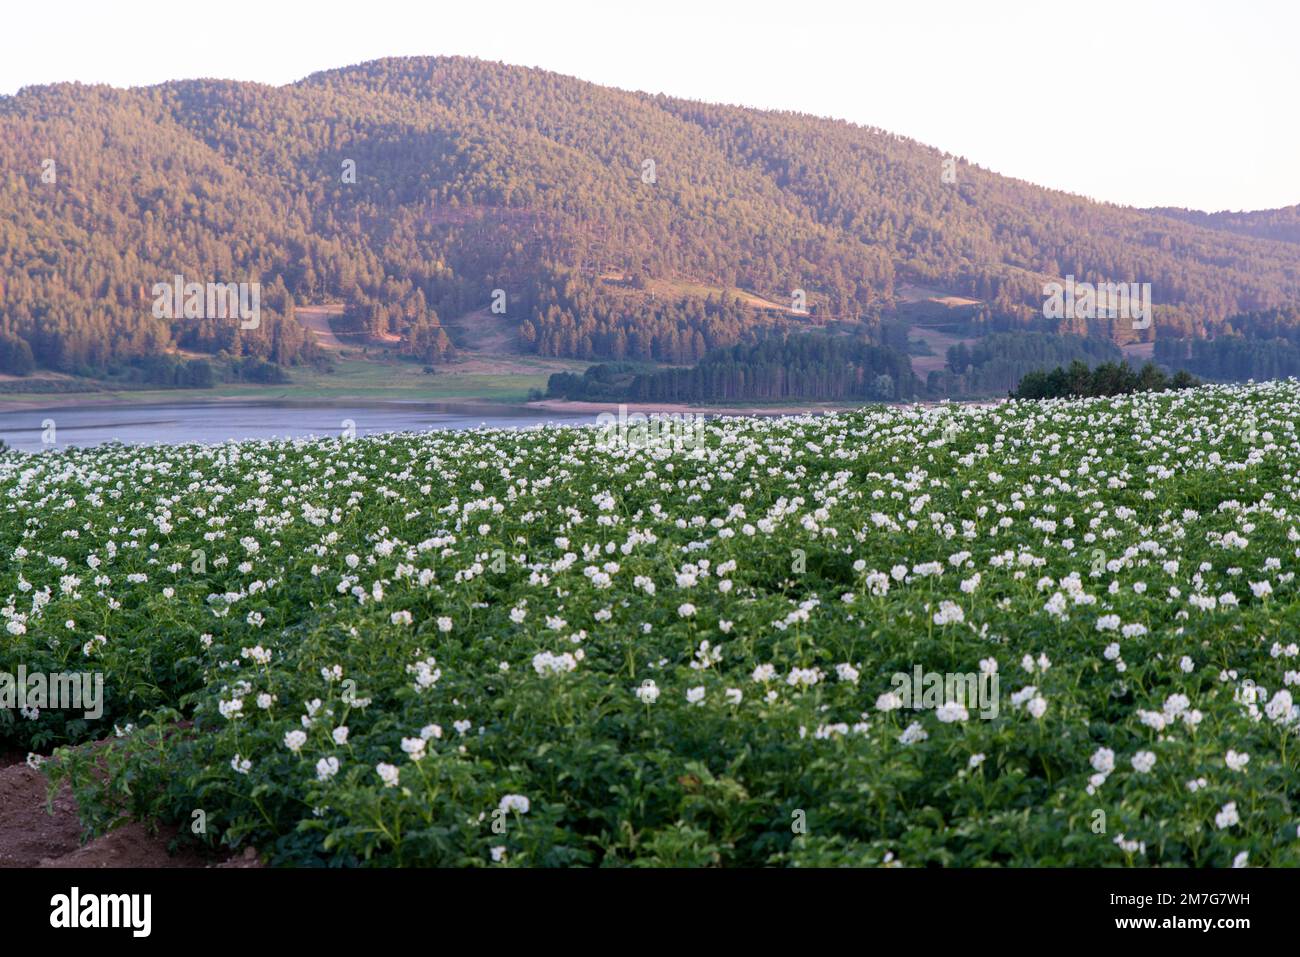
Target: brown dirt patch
939, 342
318, 320
35, 834
483, 333
1139, 351
28, 834
910, 292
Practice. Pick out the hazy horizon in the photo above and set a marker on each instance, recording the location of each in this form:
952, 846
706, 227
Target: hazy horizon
1148, 112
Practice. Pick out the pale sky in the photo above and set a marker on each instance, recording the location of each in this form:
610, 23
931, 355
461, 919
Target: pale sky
1141, 102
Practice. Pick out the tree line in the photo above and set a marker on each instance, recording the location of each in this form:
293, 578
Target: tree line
780, 367
413, 189
1079, 380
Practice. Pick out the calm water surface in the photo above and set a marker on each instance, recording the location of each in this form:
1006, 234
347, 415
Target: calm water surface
213, 422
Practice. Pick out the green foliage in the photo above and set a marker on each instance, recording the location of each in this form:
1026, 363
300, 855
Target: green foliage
604, 382
574, 317
801, 366
1256, 345
996, 363
1107, 379
482, 611
15, 356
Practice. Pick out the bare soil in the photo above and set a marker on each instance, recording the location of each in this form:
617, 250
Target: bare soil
939, 342
35, 832
489, 344
484, 334
909, 292
317, 319
1139, 351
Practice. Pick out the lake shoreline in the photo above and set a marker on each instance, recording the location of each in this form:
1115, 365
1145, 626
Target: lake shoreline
94, 400
680, 408
80, 401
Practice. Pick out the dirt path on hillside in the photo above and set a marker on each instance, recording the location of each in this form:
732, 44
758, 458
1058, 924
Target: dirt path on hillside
33, 834
939, 343
482, 332
317, 319
488, 344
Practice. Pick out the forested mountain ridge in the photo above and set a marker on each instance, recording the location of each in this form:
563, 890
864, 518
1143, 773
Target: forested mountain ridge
1281, 224
413, 188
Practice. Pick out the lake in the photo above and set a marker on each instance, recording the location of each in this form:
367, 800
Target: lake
214, 422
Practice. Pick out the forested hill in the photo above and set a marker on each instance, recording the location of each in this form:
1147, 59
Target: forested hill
1283, 224
413, 188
